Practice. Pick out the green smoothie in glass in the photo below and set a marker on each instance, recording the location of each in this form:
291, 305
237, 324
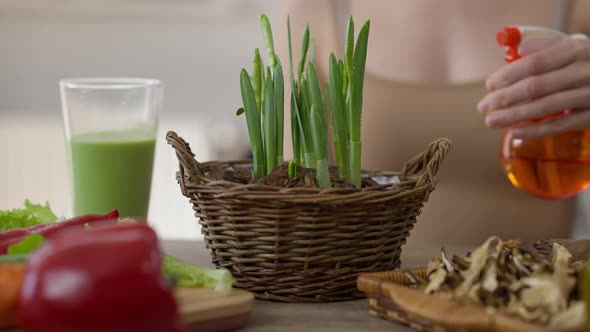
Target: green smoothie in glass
110, 129
112, 170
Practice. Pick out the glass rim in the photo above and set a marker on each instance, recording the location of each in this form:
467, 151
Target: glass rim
108, 83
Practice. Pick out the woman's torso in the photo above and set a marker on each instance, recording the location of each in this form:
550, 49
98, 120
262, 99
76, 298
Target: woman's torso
473, 199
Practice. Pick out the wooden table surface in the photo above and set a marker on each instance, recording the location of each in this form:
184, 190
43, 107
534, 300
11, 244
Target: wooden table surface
287, 317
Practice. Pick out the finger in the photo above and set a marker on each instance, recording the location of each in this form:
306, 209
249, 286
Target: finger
536, 87
575, 121
546, 60
540, 108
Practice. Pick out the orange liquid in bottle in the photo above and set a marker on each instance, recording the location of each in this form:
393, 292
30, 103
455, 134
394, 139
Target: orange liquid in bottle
552, 167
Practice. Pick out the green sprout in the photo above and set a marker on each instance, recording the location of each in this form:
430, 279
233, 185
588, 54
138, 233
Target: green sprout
263, 99
345, 94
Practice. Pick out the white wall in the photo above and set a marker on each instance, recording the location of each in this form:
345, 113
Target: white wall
196, 47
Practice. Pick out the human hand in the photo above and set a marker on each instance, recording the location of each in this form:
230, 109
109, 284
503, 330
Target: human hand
541, 84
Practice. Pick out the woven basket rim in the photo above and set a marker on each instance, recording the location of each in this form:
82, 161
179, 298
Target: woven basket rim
262, 189
419, 173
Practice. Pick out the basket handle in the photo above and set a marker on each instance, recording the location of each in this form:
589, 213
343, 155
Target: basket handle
428, 162
186, 158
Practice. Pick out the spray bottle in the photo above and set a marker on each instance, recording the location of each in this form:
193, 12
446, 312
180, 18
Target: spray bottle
553, 167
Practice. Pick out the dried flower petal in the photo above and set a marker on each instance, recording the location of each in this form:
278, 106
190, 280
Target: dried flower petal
560, 258
462, 263
414, 279
535, 315
433, 265
473, 296
513, 278
448, 265
490, 281
572, 319
543, 292
478, 262
519, 262
436, 280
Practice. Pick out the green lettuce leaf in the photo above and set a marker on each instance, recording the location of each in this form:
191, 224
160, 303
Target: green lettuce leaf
27, 245
187, 275
42, 211
30, 215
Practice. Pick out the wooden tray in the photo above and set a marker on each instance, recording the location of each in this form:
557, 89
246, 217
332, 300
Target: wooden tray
204, 310
391, 298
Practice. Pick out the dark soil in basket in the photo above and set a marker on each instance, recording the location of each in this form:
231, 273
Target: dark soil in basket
305, 178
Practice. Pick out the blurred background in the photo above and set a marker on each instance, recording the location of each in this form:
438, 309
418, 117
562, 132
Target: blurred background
196, 47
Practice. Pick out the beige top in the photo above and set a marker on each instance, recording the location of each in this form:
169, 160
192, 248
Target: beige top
473, 194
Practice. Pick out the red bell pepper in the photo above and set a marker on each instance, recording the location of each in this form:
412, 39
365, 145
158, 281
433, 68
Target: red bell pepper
105, 279
13, 236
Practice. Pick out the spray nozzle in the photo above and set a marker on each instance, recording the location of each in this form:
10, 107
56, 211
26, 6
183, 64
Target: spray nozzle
509, 36
522, 40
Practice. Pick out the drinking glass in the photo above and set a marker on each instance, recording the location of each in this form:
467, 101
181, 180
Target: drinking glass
111, 126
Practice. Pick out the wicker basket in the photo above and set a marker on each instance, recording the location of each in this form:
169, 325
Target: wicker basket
306, 244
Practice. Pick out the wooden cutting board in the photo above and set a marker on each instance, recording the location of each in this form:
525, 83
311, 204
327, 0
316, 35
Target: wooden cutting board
391, 298
204, 310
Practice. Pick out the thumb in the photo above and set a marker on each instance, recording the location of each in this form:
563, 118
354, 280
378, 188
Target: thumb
578, 36
533, 44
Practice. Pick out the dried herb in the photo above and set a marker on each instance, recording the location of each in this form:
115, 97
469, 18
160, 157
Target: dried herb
512, 278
